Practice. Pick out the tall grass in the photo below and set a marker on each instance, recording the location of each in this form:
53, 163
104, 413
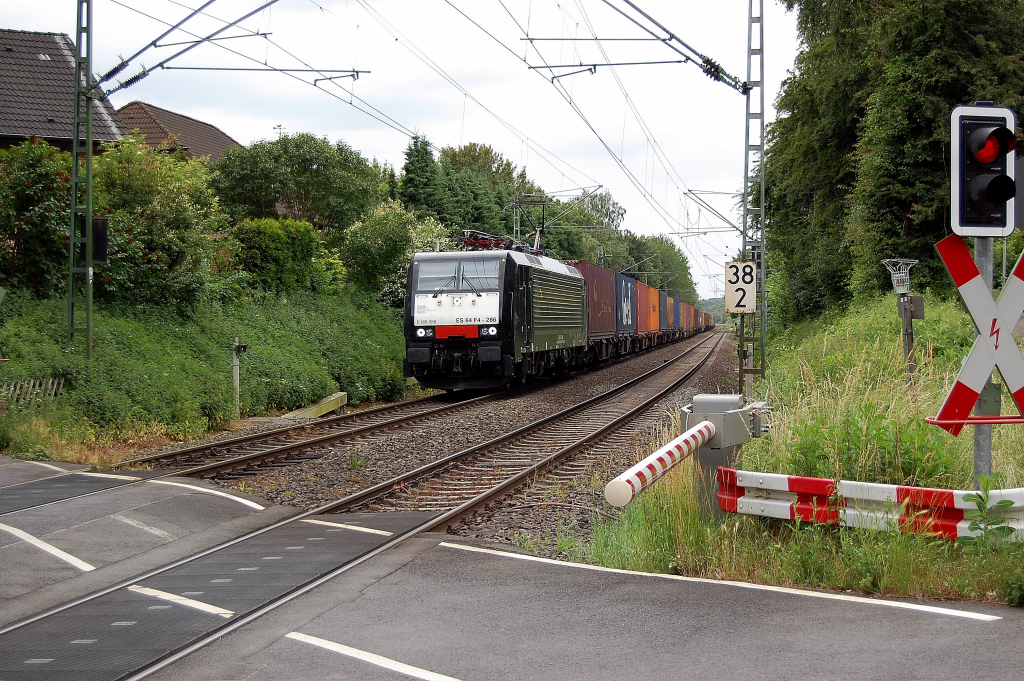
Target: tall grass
842, 410
664, 530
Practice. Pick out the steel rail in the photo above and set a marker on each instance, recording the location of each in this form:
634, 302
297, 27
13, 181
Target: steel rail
195, 450
483, 501
369, 493
267, 435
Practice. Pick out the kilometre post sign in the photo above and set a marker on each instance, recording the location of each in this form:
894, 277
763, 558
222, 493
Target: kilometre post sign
740, 293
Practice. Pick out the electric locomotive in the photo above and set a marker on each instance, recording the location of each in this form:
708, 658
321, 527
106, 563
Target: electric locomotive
488, 319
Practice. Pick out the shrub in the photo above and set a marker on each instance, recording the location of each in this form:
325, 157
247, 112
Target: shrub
277, 253
35, 190
377, 247
162, 211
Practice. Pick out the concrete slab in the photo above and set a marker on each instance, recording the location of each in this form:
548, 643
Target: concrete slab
481, 616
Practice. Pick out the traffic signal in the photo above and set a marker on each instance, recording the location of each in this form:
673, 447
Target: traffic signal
983, 182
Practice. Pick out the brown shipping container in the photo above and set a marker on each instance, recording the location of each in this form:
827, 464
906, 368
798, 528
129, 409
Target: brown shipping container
643, 306
686, 314
670, 314
653, 307
600, 284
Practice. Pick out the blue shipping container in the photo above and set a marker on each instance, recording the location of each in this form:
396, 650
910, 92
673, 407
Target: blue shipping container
625, 305
676, 306
662, 310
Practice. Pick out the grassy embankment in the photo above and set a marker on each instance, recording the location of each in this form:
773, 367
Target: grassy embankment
842, 410
158, 376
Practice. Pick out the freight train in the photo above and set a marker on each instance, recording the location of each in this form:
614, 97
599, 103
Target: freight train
492, 318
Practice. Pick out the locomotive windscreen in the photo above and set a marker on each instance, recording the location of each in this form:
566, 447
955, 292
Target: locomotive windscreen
480, 274
433, 274
471, 274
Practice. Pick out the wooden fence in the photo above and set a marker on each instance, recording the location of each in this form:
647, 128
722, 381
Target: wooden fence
27, 392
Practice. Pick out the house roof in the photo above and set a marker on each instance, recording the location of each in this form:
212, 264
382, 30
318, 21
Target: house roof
173, 130
37, 89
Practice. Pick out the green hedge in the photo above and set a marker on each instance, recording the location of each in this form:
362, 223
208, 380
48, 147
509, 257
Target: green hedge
277, 253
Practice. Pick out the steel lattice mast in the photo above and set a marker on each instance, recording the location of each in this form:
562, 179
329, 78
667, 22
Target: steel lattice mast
751, 359
80, 244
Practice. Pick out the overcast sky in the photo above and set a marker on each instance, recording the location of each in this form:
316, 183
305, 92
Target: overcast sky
677, 131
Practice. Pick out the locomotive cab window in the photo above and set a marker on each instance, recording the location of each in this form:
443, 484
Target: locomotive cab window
481, 275
436, 274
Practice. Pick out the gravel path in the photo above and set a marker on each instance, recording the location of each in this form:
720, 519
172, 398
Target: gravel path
378, 457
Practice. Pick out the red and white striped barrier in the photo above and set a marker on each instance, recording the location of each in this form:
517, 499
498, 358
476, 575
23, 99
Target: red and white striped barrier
921, 510
622, 489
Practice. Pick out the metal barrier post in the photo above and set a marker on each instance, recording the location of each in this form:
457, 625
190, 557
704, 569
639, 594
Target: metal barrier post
734, 424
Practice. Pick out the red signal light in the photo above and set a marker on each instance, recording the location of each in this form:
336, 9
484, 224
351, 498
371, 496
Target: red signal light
989, 144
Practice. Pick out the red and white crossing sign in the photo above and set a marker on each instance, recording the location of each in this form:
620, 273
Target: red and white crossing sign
994, 346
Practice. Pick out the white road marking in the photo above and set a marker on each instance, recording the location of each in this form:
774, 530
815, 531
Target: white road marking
39, 660
143, 526
244, 569
384, 662
123, 624
743, 585
47, 465
49, 548
126, 478
253, 504
221, 581
181, 600
85, 640
349, 527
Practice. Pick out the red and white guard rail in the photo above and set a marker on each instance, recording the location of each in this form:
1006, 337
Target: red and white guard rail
622, 489
921, 510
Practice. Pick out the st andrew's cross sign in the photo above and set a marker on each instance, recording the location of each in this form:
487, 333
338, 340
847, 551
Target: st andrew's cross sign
994, 346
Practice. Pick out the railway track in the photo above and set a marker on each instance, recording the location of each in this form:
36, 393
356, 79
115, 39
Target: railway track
316, 546
467, 482
251, 453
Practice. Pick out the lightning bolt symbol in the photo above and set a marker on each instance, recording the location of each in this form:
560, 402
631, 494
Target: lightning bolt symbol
994, 333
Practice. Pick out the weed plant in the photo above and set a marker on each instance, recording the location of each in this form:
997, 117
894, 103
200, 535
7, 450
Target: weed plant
843, 410
158, 374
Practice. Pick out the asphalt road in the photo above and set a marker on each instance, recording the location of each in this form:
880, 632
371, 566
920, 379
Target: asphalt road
54, 553
449, 612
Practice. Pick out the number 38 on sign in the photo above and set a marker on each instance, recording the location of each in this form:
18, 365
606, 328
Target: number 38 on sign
740, 287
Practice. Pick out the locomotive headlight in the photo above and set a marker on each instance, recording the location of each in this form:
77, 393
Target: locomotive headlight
420, 333
492, 331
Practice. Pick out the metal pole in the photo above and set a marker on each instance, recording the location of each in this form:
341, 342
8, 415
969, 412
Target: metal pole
983, 433
748, 378
909, 364
234, 376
